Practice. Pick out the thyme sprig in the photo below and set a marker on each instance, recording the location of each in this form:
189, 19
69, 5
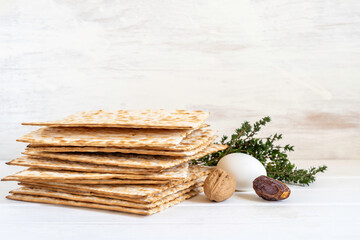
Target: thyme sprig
274, 157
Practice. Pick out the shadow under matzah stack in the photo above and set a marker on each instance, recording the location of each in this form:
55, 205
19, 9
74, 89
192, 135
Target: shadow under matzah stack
134, 161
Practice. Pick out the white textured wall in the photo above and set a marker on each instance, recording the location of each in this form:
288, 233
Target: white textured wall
295, 60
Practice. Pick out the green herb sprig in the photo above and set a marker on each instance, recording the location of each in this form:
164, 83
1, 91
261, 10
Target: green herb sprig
273, 157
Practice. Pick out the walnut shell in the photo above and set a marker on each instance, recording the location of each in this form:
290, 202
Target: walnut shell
219, 185
271, 189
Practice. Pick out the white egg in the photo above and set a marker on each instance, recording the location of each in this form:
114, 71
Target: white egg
244, 167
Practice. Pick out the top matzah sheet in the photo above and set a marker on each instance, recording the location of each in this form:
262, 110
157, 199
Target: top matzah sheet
167, 119
106, 137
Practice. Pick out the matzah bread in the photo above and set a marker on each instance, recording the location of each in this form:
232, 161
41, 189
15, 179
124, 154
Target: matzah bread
128, 160
106, 137
45, 174
174, 152
134, 161
120, 150
175, 119
38, 199
49, 163
94, 182
192, 141
133, 191
101, 200
162, 191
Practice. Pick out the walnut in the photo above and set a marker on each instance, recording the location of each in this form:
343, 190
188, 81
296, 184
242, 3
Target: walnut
219, 185
270, 189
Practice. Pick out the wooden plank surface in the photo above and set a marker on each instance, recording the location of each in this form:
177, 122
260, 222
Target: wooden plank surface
328, 209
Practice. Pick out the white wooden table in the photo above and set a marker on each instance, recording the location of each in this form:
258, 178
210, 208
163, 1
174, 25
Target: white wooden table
328, 209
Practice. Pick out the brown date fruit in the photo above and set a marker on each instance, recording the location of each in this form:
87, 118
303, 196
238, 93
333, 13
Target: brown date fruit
270, 189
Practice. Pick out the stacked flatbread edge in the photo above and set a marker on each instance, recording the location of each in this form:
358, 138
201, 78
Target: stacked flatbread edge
133, 161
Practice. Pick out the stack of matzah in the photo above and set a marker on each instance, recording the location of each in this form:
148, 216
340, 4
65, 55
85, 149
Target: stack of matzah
128, 161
